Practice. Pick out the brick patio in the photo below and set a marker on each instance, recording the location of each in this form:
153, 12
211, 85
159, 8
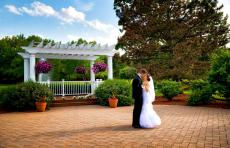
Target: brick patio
97, 126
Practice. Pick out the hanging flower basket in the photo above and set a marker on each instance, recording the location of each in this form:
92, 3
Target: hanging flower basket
43, 67
99, 67
80, 70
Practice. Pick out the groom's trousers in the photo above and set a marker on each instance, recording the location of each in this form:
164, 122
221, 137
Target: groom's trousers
137, 112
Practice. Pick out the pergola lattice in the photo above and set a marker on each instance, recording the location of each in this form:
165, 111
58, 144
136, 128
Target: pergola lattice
65, 51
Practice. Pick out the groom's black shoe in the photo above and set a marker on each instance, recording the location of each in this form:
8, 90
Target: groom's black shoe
136, 126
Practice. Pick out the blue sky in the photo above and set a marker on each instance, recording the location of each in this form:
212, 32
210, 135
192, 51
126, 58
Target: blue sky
63, 20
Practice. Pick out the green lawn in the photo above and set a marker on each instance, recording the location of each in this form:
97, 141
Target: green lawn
187, 92
158, 93
2, 86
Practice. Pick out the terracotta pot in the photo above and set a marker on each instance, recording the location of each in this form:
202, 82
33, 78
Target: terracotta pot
40, 106
113, 102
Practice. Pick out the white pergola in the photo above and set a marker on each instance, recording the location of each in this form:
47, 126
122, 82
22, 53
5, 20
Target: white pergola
65, 51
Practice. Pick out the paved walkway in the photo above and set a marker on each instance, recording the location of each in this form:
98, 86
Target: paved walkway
97, 126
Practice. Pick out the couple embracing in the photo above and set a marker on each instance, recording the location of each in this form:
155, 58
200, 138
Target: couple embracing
144, 94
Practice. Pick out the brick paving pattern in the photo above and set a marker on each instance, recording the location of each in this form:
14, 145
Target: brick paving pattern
97, 126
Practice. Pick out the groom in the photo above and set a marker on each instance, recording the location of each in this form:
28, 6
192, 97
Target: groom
137, 96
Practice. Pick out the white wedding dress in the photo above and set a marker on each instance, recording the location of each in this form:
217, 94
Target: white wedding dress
148, 117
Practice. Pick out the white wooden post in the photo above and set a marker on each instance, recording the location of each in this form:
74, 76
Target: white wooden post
48, 82
63, 88
26, 69
32, 67
110, 67
92, 76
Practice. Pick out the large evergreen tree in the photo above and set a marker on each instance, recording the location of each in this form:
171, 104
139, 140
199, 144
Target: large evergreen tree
172, 38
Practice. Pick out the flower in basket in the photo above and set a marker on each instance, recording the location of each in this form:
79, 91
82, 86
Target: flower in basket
80, 70
43, 67
99, 67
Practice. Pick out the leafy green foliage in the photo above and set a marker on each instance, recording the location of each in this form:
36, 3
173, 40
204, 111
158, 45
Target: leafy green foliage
64, 69
219, 75
120, 88
201, 94
102, 75
170, 88
120, 62
127, 73
23, 96
198, 84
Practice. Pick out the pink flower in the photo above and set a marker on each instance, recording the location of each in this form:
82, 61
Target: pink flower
43, 67
80, 70
99, 67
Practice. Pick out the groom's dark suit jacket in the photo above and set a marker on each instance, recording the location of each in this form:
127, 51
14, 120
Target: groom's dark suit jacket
137, 89
137, 96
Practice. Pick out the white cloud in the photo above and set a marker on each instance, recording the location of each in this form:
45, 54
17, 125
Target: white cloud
83, 6
38, 9
66, 15
71, 15
13, 9
98, 25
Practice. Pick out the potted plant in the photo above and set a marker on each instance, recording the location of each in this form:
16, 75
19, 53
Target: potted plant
41, 103
113, 101
40, 95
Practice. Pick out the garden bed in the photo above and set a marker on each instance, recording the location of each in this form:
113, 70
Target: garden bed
177, 100
181, 99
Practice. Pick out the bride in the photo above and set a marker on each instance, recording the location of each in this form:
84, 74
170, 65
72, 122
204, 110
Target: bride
148, 117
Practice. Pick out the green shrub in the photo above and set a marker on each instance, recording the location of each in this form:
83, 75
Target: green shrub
20, 97
6, 93
102, 75
185, 84
198, 84
127, 73
120, 88
219, 75
201, 95
170, 88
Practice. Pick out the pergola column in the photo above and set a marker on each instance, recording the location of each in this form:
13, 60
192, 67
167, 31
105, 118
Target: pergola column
32, 67
26, 69
92, 76
110, 67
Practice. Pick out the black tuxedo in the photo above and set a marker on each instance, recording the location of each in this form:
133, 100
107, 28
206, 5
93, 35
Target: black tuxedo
138, 100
